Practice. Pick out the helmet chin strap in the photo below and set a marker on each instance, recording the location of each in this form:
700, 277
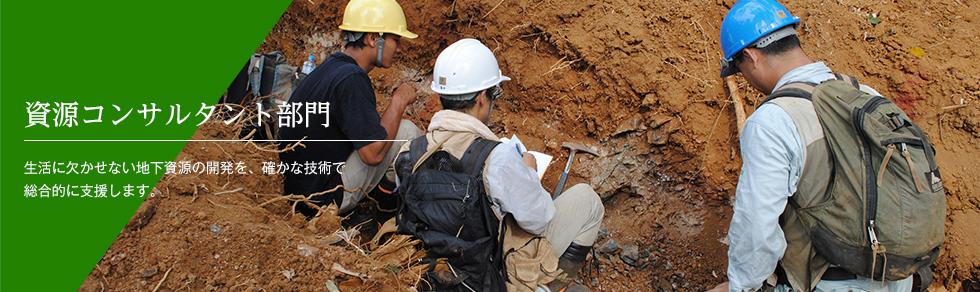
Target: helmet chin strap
487, 122
381, 50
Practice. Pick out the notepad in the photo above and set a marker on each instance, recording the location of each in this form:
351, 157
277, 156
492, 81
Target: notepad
543, 160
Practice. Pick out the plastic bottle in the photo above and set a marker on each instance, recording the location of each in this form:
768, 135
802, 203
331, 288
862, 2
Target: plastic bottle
308, 66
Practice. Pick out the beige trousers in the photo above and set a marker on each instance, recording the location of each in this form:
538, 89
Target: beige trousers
578, 216
365, 177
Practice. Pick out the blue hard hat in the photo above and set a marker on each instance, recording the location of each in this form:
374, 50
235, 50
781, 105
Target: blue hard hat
748, 21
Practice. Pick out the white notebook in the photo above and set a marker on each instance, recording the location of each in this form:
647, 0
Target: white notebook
543, 160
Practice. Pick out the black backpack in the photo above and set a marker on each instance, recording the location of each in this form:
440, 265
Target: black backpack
445, 204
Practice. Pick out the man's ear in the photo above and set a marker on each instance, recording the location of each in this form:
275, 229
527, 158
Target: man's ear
752, 57
371, 39
481, 99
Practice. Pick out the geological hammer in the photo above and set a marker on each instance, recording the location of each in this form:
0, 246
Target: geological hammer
574, 148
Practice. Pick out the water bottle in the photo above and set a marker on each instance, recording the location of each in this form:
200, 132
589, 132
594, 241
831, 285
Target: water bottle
308, 65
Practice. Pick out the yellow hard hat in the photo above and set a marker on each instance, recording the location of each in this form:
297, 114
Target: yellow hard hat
382, 16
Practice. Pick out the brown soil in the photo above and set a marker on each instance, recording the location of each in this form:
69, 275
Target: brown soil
636, 80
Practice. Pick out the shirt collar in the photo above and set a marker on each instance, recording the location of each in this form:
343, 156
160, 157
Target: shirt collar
812, 73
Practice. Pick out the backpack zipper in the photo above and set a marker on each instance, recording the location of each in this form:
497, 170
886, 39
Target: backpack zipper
871, 233
884, 162
908, 157
874, 103
871, 196
871, 189
915, 177
876, 249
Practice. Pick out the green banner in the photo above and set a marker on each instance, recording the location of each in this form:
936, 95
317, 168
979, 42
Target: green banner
103, 70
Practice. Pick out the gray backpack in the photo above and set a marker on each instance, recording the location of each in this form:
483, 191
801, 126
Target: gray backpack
884, 212
271, 77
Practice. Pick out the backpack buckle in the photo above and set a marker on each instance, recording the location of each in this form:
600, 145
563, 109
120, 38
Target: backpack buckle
897, 122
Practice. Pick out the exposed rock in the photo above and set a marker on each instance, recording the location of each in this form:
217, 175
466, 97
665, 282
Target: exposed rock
630, 254
610, 246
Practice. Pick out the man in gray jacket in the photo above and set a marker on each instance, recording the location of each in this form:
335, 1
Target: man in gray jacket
759, 39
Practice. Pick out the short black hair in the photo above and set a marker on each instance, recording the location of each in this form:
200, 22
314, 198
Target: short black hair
781, 46
458, 105
358, 43
778, 47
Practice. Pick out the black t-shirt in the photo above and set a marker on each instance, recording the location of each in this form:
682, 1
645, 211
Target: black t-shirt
352, 116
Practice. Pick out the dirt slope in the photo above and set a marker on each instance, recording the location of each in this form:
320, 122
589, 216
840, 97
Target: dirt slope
636, 80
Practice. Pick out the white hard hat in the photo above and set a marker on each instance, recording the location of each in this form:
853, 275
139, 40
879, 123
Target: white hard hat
465, 66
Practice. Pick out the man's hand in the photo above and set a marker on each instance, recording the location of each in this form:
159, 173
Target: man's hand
723, 287
530, 161
372, 154
405, 94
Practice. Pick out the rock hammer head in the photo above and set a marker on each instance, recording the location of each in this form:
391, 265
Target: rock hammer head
576, 147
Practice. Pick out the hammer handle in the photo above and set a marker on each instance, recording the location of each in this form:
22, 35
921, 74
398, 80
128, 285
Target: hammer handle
564, 175
561, 185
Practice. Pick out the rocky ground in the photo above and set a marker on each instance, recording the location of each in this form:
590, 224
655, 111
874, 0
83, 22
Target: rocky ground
636, 80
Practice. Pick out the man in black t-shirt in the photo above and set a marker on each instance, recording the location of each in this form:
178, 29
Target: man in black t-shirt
347, 142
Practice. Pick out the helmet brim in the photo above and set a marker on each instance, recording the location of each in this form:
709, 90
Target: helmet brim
456, 91
403, 33
407, 34
729, 70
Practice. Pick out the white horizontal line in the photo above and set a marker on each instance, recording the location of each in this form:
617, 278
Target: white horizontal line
212, 140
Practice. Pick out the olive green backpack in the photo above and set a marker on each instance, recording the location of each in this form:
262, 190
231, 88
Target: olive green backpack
884, 212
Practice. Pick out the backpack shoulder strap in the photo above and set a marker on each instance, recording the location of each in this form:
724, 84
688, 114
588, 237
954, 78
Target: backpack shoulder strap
476, 155
426, 154
805, 89
848, 79
417, 148
473, 160
795, 89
